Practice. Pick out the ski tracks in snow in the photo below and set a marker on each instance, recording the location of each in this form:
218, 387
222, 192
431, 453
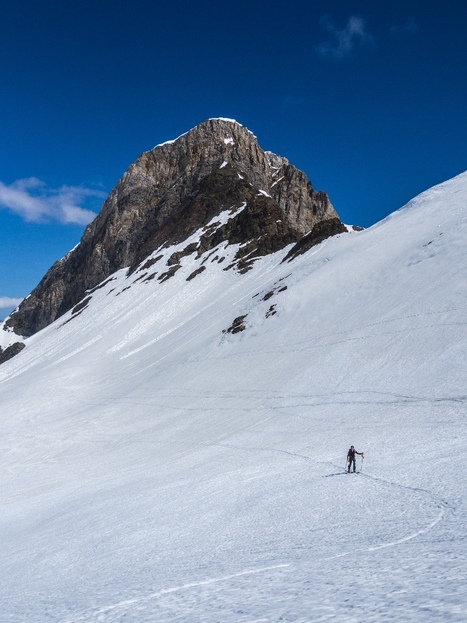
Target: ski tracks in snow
133, 609
441, 504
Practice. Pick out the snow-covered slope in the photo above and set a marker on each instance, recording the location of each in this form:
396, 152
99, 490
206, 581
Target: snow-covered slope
157, 467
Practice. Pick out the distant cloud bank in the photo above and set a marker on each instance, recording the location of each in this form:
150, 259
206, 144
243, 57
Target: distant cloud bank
7, 302
33, 201
342, 42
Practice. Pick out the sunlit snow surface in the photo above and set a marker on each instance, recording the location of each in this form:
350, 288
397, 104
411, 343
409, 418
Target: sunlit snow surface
154, 468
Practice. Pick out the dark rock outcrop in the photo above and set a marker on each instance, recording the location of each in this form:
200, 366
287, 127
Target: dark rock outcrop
11, 351
173, 191
321, 231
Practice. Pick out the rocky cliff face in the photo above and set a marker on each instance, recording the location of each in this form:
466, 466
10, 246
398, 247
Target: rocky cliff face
171, 192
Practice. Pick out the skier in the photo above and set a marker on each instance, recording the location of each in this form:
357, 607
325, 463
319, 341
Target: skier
351, 458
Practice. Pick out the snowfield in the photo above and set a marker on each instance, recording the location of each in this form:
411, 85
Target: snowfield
155, 467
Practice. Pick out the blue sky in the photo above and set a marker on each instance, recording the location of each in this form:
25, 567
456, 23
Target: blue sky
368, 98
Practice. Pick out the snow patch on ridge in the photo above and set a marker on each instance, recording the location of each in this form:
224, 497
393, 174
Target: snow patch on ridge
226, 119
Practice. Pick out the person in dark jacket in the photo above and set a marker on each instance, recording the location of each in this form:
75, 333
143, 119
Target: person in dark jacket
351, 458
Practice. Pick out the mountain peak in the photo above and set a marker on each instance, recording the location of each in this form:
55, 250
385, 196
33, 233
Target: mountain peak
214, 124
175, 190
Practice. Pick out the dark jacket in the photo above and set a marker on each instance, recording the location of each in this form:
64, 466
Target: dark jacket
351, 454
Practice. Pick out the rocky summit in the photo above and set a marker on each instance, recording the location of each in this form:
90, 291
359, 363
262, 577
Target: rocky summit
170, 193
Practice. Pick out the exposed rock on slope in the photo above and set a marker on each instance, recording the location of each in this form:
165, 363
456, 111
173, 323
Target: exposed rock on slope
10, 351
168, 194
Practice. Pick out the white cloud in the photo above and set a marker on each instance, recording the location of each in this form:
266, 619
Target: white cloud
7, 302
343, 42
34, 202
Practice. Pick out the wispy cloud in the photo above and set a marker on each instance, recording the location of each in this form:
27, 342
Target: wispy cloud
342, 42
33, 201
293, 101
408, 27
7, 302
